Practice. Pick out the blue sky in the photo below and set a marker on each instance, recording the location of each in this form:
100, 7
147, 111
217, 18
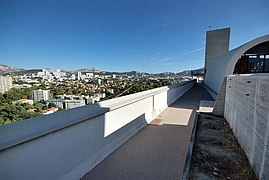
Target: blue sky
122, 35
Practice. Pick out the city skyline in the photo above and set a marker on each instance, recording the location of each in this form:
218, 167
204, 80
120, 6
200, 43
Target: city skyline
145, 36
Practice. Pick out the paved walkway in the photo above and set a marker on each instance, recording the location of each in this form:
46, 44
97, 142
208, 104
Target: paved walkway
157, 151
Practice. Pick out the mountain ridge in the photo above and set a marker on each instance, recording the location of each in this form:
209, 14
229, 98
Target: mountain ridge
5, 69
8, 69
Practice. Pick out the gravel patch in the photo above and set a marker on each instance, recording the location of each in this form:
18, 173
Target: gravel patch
216, 152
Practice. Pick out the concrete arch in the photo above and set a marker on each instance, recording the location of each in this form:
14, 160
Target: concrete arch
223, 65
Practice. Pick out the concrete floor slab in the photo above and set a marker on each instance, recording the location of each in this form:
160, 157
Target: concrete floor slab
206, 106
157, 151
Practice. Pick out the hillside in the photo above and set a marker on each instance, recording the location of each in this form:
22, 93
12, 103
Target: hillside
4, 69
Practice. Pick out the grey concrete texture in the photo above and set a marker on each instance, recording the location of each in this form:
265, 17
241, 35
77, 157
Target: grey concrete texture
220, 101
247, 111
217, 43
156, 152
212, 93
223, 65
206, 106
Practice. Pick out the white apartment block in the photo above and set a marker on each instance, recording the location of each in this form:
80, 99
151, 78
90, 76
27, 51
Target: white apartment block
66, 103
38, 95
49, 75
89, 75
5, 83
79, 75
73, 77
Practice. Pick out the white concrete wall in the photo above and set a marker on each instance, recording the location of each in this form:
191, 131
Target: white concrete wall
247, 111
212, 93
221, 66
68, 144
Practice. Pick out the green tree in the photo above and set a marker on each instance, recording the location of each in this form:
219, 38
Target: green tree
51, 104
42, 101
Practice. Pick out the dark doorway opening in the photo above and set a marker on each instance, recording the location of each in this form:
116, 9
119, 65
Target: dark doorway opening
254, 60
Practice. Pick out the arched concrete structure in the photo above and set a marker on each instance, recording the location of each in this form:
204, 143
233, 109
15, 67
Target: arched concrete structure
223, 65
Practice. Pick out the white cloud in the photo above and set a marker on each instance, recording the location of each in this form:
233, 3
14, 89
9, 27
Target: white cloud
193, 51
165, 59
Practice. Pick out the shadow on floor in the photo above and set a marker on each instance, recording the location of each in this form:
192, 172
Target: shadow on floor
155, 152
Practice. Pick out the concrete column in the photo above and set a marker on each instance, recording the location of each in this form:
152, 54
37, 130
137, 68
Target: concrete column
217, 43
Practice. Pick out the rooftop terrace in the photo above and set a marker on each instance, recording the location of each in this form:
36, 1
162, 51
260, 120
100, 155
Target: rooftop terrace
159, 150
70, 144
140, 136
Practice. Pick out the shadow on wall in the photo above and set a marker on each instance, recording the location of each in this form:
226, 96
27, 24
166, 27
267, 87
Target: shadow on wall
155, 152
69, 143
176, 91
48, 147
192, 96
96, 144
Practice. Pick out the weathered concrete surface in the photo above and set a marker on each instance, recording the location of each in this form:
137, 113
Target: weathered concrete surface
220, 101
206, 106
217, 43
156, 152
247, 111
212, 93
223, 65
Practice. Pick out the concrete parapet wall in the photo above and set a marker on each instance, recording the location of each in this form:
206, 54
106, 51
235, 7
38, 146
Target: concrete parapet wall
68, 144
212, 93
247, 111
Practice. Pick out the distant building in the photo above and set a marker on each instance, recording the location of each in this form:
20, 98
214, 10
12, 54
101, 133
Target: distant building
50, 110
40, 74
50, 75
28, 101
83, 76
22, 86
69, 104
89, 75
38, 95
73, 77
97, 81
70, 97
93, 99
5, 83
57, 73
66, 103
79, 75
